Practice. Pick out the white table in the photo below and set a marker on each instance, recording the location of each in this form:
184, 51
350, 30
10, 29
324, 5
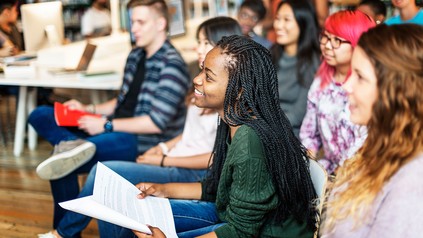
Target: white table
27, 99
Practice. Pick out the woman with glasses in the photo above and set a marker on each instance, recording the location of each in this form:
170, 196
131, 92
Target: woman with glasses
326, 124
296, 56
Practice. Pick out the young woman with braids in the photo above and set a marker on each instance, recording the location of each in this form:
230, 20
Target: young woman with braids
184, 158
379, 192
296, 56
326, 124
259, 183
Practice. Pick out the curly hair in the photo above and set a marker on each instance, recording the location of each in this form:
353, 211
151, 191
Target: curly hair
395, 129
252, 99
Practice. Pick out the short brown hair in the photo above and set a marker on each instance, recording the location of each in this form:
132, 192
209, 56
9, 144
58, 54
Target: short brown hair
159, 6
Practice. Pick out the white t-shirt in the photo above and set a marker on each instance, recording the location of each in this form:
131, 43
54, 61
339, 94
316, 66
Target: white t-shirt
96, 22
199, 134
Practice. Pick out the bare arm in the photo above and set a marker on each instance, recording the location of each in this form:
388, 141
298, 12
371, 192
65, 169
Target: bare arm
189, 162
106, 108
140, 124
171, 190
209, 235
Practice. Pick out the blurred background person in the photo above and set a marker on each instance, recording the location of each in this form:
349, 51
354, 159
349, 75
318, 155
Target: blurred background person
96, 21
251, 13
8, 28
408, 13
375, 9
296, 55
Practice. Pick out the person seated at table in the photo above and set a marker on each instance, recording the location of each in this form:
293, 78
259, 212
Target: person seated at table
8, 28
185, 158
250, 13
6, 47
149, 109
96, 20
375, 9
379, 192
259, 183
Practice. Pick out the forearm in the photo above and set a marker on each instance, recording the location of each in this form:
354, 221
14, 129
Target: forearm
137, 125
171, 143
183, 190
106, 108
189, 162
208, 235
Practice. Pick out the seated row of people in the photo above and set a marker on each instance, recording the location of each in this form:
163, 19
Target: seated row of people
239, 84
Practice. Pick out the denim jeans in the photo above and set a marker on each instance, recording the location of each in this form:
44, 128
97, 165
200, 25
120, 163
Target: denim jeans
192, 218
110, 146
73, 223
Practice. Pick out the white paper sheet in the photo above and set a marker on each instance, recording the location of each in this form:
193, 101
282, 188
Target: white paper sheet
114, 200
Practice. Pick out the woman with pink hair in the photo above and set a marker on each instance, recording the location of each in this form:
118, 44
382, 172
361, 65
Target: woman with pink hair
326, 124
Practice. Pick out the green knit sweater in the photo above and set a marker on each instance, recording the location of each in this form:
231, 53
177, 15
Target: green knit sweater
246, 194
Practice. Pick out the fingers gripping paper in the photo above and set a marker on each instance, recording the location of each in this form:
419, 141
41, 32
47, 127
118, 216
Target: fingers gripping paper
114, 200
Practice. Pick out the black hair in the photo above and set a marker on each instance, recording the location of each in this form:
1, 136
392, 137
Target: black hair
256, 6
252, 99
217, 27
377, 6
308, 49
7, 4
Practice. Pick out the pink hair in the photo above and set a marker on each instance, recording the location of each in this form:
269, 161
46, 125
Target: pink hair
346, 24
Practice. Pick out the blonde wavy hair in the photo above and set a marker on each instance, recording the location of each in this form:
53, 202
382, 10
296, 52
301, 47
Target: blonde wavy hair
395, 129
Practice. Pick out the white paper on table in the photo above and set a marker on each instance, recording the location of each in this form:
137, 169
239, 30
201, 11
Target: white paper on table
114, 200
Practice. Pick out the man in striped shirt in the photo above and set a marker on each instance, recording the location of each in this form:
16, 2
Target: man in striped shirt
149, 109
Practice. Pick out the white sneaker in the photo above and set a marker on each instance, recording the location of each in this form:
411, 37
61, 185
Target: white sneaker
47, 235
67, 156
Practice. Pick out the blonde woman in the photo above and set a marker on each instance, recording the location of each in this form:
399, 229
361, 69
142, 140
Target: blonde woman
379, 192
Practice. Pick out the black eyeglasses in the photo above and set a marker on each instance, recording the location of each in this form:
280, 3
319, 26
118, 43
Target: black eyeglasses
334, 41
245, 16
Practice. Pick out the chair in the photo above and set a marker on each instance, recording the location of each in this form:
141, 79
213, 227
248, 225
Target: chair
319, 177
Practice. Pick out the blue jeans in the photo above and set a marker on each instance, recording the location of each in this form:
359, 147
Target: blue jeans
110, 146
73, 223
192, 218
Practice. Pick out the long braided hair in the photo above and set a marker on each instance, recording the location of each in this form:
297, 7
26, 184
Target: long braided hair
252, 99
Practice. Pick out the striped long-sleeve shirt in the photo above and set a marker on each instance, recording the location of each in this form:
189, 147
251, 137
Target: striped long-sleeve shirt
162, 92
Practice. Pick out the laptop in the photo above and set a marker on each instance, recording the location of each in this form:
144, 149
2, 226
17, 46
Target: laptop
82, 67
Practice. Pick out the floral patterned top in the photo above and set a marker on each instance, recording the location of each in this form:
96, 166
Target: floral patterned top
327, 125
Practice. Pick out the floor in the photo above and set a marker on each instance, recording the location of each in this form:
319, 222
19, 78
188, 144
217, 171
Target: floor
25, 200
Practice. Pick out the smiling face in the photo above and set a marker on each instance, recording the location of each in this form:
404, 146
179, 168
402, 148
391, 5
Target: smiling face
210, 85
147, 25
203, 47
286, 28
336, 57
361, 87
402, 3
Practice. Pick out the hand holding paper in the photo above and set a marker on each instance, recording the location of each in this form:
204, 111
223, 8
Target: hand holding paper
115, 200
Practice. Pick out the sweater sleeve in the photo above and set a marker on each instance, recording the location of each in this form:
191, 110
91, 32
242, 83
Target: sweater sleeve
401, 211
251, 194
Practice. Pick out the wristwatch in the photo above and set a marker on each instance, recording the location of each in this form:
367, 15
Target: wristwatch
108, 126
